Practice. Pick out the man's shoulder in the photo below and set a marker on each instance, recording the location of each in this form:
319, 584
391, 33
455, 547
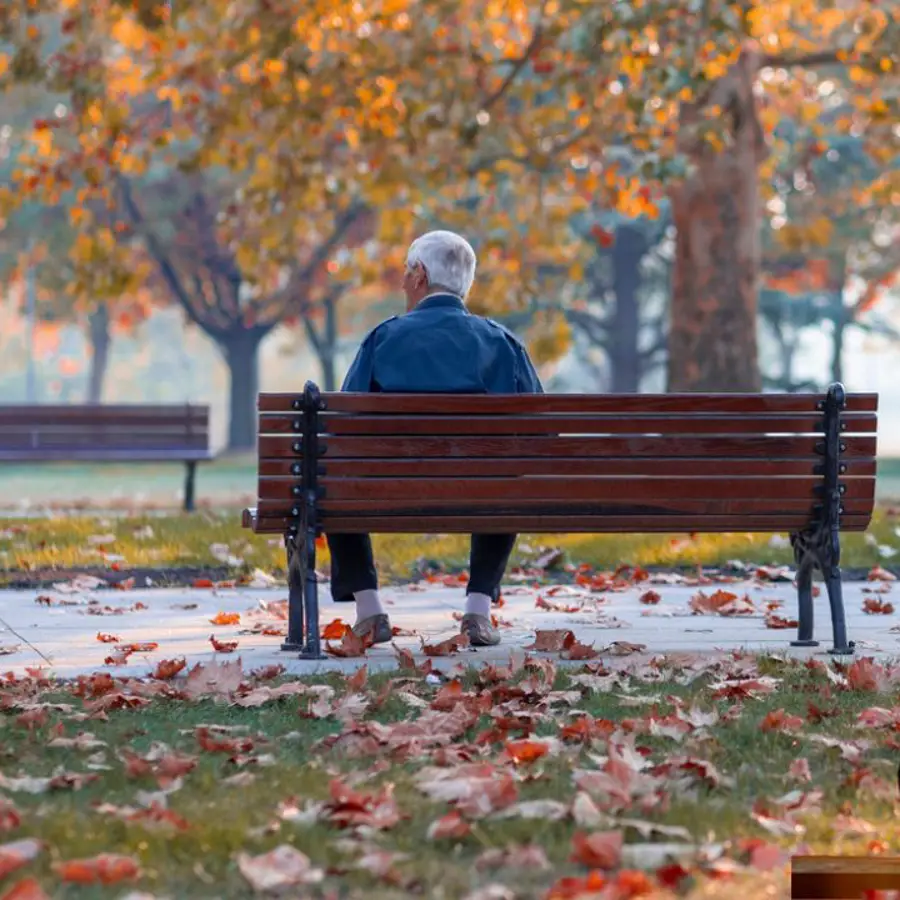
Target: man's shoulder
497, 326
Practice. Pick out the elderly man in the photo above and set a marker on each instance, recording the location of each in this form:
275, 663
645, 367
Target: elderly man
438, 347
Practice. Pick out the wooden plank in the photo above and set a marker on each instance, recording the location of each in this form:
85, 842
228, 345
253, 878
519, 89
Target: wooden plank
839, 877
676, 506
675, 468
586, 489
94, 454
103, 428
483, 404
126, 414
568, 524
122, 441
550, 424
275, 447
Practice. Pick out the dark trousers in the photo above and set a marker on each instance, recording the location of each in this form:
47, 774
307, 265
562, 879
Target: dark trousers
353, 564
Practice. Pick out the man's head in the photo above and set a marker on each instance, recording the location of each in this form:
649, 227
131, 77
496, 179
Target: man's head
438, 261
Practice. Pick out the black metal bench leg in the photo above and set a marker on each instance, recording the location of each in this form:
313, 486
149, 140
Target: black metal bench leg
806, 614
838, 623
189, 479
313, 646
295, 635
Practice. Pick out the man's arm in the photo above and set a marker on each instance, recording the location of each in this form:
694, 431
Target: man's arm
359, 376
527, 379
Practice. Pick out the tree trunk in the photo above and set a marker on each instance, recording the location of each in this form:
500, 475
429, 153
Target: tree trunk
837, 346
329, 345
624, 347
712, 341
241, 351
98, 330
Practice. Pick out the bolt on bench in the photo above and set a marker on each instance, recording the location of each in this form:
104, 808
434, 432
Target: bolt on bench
801, 464
126, 433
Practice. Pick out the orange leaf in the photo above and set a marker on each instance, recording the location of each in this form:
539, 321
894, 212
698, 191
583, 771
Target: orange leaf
650, 598
16, 854
224, 618
203, 583
880, 574
453, 825
223, 646
145, 647
601, 850
168, 668
779, 720
107, 638
350, 645
570, 888
446, 648
107, 868
26, 889
581, 651
874, 606
526, 751
335, 630
603, 237
125, 585
773, 621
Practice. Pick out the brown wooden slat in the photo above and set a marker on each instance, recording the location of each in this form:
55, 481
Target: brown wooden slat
444, 468
568, 524
96, 454
106, 428
547, 424
466, 490
83, 439
474, 404
676, 506
474, 447
65, 415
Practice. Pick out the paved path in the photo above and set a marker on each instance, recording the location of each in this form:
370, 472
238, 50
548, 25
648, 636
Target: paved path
62, 637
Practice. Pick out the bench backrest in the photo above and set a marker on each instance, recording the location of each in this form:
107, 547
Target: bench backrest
104, 432
425, 463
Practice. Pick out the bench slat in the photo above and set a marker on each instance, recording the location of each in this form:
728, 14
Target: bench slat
275, 447
100, 454
114, 415
332, 423
537, 524
115, 441
437, 468
660, 506
468, 404
465, 490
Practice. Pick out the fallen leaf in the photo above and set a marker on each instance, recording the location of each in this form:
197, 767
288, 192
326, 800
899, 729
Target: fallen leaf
774, 621
16, 854
453, 825
9, 815
168, 668
526, 751
224, 618
223, 646
624, 648
279, 869
106, 868
600, 850
26, 889
552, 641
108, 638
874, 606
351, 645
446, 648
202, 583
335, 630
779, 720
650, 598
580, 651
572, 888
880, 574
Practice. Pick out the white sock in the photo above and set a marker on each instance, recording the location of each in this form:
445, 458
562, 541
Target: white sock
478, 604
368, 604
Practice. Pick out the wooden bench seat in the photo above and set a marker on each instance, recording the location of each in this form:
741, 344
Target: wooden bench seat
800, 464
121, 433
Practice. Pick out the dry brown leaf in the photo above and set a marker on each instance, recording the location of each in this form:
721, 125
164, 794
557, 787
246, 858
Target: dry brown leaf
446, 648
279, 869
223, 646
552, 641
19, 853
351, 645
335, 630
106, 868
650, 598
224, 618
168, 668
774, 621
453, 825
580, 651
26, 889
600, 850
880, 574
875, 606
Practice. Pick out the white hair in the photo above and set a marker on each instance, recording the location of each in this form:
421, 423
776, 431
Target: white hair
448, 259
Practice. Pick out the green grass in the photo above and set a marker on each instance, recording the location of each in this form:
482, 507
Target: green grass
172, 541
224, 820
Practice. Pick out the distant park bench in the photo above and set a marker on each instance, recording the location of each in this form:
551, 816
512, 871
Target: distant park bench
122, 434
801, 464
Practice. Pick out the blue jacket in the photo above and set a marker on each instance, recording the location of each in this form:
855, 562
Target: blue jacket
440, 347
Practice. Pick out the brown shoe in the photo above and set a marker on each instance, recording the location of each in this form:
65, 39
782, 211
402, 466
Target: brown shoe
377, 627
479, 630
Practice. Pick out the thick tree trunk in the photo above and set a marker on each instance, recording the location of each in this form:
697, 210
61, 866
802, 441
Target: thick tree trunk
712, 340
624, 347
241, 351
98, 331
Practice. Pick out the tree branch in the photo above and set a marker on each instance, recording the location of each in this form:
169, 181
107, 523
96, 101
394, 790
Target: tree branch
787, 61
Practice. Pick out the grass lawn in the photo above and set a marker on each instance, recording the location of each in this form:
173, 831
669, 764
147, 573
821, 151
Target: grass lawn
536, 775
168, 542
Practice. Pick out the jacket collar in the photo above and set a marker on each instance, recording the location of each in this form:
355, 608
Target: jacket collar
442, 299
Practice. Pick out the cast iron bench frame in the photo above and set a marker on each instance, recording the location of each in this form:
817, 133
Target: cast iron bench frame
108, 433
318, 453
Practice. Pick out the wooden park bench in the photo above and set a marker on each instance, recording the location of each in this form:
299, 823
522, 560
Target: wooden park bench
132, 433
800, 464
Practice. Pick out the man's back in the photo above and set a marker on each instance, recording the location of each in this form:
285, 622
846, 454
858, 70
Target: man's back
439, 347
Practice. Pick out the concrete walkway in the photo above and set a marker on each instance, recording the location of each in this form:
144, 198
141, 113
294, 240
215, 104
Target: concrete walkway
62, 637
